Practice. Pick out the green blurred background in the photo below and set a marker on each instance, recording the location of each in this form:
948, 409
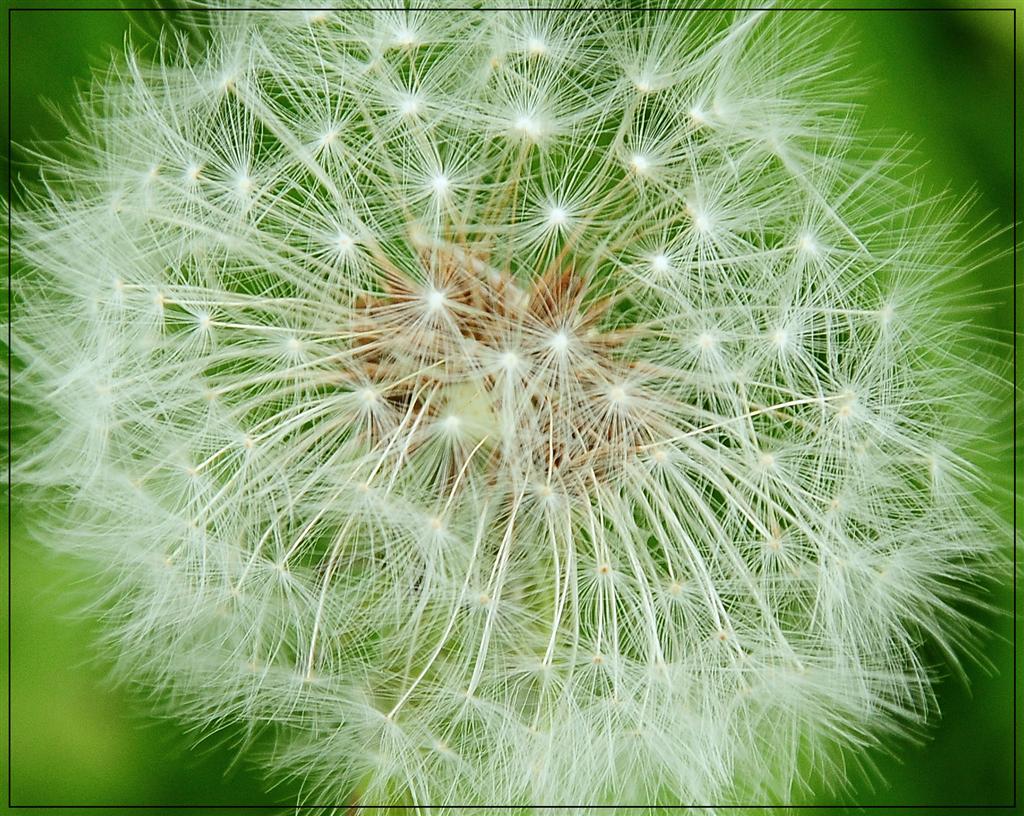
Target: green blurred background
943, 78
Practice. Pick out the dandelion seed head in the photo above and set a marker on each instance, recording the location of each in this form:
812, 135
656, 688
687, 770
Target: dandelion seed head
533, 408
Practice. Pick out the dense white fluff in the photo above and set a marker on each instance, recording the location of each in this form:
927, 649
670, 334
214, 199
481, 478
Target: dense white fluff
506, 407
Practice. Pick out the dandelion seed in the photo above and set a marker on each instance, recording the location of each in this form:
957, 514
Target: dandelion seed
436, 301
244, 184
410, 105
343, 243
528, 126
639, 164
559, 343
807, 244
557, 216
406, 38
660, 264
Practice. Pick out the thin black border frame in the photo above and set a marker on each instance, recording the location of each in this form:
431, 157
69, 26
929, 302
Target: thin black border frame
1012, 805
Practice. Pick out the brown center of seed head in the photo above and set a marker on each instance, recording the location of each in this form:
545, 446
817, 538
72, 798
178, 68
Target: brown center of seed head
534, 376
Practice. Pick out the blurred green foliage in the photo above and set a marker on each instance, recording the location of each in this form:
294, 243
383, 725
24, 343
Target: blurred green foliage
944, 78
